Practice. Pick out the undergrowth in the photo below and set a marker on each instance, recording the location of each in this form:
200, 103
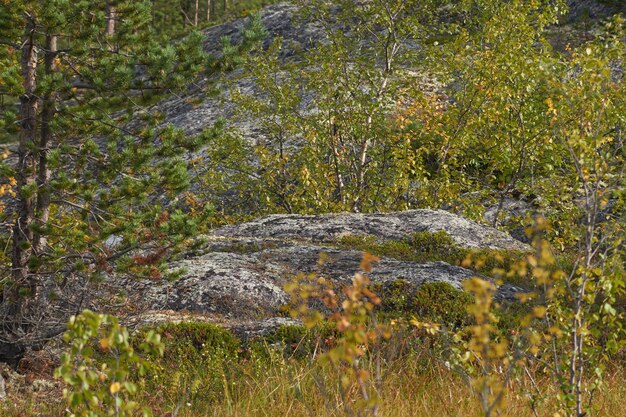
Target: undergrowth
265, 378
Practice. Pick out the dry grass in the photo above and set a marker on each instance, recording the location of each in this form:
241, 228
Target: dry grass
276, 386
408, 391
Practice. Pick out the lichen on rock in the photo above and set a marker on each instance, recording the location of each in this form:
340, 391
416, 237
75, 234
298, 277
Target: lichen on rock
239, 272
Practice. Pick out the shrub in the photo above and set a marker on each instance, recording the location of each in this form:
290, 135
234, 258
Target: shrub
103, 383
359, 335
197, 358
442, 303
433, 301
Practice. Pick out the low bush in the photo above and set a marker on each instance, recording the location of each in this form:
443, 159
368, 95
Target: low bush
438, 302
197, 356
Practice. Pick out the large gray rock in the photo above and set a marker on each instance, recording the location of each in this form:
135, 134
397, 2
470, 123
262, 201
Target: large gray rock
240, 271
384, 226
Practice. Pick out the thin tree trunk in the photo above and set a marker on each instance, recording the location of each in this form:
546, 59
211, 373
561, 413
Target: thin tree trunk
335, 144
27, 165
391, 49
184, 8
43, 181
195, 15
110, 18
208, 10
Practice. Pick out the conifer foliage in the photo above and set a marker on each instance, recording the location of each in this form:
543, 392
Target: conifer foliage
80, 71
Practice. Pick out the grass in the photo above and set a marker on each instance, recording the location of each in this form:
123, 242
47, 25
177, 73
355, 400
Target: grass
408, 390
414, 385
206, 371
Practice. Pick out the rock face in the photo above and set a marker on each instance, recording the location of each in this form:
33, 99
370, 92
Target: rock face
594, 9
196, 110
184, 112
384, 226
241, 269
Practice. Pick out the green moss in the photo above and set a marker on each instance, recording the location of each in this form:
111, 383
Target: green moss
438, 246
393, 249
419, 247
396, 297
425, 247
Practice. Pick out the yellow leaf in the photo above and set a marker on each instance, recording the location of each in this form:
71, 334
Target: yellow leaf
367, 261
539, 311
115, 387
104, 343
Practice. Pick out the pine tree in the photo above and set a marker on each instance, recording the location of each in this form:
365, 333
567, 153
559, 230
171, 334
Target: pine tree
92, 189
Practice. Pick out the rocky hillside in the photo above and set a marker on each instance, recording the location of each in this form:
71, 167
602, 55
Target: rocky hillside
197, 110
